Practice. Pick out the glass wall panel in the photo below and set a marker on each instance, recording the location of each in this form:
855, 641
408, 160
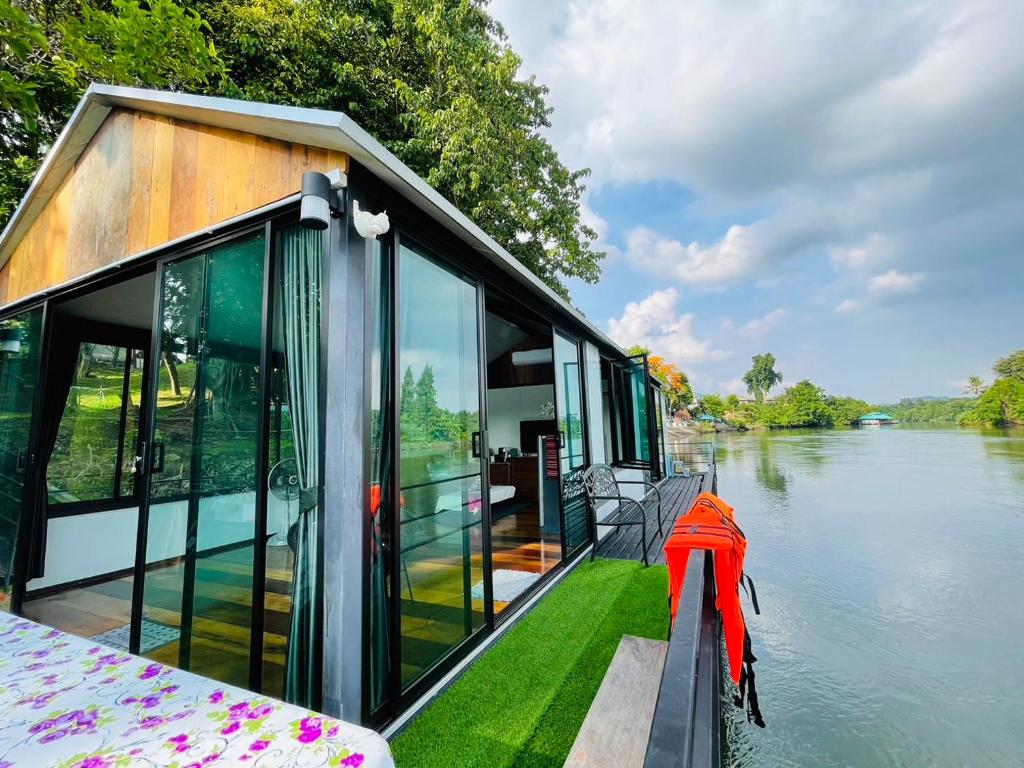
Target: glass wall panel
638, 394
440, 499
95, 444
572, 452
20, 347
570, 404
380, 492
202, 523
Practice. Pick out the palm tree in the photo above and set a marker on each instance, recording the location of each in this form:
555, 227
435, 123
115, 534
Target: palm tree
975, 385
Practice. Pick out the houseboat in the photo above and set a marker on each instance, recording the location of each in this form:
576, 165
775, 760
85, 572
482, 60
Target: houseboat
876, 419
274, 411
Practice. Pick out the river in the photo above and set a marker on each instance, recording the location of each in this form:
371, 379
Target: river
889, 565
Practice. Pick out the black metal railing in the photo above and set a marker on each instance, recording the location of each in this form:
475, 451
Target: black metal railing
686, 731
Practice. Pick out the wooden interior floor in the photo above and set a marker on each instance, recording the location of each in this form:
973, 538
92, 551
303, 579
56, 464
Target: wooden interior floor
434, 615
222, 612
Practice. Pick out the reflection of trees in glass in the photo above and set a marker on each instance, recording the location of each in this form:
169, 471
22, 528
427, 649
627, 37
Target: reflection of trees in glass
422, 420
84, 460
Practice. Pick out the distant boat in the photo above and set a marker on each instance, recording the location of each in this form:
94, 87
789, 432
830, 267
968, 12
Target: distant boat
876, 419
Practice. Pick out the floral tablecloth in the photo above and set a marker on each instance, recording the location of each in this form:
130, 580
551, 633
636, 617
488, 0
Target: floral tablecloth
66, 702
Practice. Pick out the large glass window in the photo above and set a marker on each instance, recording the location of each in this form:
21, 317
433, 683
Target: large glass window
572, 451
197, 606
19, 369
95, 445
381, 442
440, 497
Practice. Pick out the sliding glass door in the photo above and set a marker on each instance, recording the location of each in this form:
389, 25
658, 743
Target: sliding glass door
20, 348
203, 512
572, 451
442, 490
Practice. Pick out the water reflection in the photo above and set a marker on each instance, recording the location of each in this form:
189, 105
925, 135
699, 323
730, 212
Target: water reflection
880, 556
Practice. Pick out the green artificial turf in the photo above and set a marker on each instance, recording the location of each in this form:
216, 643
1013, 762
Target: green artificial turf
523, 702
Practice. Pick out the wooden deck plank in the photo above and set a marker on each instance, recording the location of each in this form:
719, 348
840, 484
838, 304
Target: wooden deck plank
618, 723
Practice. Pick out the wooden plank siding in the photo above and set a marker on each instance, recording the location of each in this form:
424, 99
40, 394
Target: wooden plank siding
144, 180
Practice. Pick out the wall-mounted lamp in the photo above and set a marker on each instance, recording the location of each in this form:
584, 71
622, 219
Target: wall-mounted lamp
10, 340
321, 198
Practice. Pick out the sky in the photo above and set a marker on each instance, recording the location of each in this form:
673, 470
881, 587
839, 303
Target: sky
840, 184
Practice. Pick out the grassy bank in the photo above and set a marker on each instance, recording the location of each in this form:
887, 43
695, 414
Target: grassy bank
523, 702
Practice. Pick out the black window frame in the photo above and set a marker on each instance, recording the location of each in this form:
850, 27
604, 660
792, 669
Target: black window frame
132, 340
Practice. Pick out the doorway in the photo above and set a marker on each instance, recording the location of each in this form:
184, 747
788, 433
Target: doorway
180, 442
522, 432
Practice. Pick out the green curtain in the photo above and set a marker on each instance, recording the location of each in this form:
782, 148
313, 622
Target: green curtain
300, 315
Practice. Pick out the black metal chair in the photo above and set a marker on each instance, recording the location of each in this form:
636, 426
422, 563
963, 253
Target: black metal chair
601, 486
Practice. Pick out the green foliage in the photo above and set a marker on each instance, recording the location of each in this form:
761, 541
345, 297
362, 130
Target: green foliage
1011, 366
156, 45
432, 80
21, 40
846, 410
944, 410
713, 405
52, 50
732, 403
762, 376
1002, 403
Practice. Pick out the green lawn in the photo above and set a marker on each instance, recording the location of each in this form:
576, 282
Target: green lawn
523, 702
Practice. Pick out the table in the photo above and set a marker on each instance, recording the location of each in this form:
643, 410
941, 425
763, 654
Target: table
67, 702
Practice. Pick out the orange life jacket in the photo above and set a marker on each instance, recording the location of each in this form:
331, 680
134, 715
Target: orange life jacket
710, 525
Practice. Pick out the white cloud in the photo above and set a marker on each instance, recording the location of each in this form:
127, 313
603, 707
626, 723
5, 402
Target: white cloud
745, 251
761, 325
655, 323
894, 281
847, 307
873, 132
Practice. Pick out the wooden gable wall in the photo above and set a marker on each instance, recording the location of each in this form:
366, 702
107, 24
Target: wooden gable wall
144, 180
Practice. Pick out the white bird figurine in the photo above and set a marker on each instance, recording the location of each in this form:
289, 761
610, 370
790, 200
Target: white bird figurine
369, 225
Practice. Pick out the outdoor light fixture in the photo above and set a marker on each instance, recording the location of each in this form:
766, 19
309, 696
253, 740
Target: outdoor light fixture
321, 198
10, 340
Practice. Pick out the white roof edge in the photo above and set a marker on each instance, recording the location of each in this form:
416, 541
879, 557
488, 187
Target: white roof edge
316, 127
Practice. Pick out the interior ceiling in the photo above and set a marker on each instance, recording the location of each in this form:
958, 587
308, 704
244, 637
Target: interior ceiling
129, 303
501, 336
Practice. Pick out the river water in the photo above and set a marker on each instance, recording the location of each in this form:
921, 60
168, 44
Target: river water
889, 565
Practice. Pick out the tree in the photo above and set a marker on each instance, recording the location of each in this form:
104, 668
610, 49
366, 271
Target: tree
1002, 404
732, 402
975, 386
762, 376
804, 405
675, 385
1011, 366
713, 405
426, 402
